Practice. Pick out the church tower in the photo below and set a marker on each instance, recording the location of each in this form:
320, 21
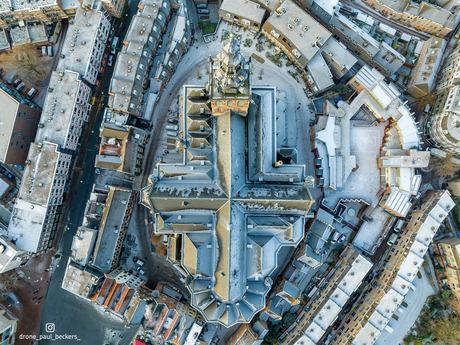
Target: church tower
229, 80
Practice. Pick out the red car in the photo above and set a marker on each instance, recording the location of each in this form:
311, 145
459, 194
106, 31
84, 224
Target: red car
336, 325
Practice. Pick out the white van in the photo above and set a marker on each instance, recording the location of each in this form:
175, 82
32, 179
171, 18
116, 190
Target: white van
336, 237
31, 93
172, 127
392, 239
399, 225
20, 86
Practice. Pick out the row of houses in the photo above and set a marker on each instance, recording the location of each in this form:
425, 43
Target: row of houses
319, 38
386, 292
64, 115
133, 94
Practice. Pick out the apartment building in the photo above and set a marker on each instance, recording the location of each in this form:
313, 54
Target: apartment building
114, 7
178, 45
449, 76
19, 122
65, 111
333, 293
38, 206
243, 13
295, 32
398, 178
11, 256
306, 42
442, 127
372, 312
423, 75
83, 245
122, 149
82, 281
423, 16
449, 248
130, 76
112, 228
14, 12
85, 42
8, 327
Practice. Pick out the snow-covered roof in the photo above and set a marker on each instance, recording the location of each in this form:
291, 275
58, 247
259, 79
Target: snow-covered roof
233, 223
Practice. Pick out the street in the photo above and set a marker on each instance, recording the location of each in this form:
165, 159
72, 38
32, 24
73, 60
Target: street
70, 314
407, 316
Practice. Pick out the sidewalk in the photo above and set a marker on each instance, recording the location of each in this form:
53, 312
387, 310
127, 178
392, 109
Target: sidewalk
29, 296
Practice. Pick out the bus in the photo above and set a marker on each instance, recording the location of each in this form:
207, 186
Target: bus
114, 46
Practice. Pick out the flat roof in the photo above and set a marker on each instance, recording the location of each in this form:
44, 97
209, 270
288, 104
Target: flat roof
58, 107
338, 53
110, 227
79, 42
244, 8
10, 110
390, 303
367, 335
355, 275
320, 72
38, 176
78, 281
370, 231
4, 43
83, 244
290, 20
26, 224
140, 29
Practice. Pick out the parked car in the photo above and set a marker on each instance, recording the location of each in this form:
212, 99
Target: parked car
50, 50
20, 86
172, 127
173, 121
203, 11
336, 237
139, 262
341, 239
32, 92
9, 175
336, 325
110, 62
44, 51
140, 270
171, 134
201, 5
17, 82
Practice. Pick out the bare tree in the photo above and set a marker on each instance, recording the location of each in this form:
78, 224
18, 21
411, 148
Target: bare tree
444, 166
25, 61
9, 281
446, 329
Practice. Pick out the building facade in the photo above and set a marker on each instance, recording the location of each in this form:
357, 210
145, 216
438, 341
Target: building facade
386, 292
45, 11
243, 13
86, 41
449, 248
423, 16
423, 75
38, 206
19, 122
442, 127
65, 111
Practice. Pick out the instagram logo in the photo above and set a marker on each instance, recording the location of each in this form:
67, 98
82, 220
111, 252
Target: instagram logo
50, 327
